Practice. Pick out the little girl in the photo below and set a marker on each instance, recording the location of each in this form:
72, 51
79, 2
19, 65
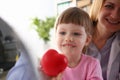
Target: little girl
73, 34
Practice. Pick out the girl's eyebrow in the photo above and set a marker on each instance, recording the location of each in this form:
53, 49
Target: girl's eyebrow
61, 29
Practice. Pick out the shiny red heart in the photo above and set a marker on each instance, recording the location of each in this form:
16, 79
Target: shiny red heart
53, 63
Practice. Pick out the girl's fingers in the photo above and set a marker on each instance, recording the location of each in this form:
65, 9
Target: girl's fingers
58, 77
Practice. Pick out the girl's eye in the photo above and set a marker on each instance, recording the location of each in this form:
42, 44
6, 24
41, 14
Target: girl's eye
62, 33
76, 34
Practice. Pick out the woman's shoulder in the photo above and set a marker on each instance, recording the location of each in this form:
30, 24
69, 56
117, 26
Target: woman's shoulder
117, 34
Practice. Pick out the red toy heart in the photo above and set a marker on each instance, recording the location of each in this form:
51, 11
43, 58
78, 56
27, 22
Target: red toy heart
53, 63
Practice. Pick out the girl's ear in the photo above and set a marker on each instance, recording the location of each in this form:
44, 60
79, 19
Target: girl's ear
88, 40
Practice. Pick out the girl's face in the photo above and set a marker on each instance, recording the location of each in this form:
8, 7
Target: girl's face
109, 16
71, 39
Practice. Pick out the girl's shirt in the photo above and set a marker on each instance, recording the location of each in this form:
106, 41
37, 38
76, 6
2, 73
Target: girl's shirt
88, 69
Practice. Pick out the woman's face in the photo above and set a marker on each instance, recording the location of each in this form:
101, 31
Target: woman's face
71, 39
109, 16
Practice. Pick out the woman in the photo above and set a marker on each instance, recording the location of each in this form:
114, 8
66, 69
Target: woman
105, 44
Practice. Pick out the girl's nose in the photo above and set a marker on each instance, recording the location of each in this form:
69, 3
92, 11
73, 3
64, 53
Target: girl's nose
69, 39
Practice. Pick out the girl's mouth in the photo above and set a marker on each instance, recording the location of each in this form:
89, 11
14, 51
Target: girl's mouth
68, 45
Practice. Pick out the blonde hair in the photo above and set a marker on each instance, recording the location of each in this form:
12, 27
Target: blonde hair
95, 9
76, 16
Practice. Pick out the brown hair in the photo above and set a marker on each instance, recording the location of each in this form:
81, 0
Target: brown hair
76, 16
95, 9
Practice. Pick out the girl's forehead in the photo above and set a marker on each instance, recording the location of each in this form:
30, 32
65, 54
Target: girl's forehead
70, 27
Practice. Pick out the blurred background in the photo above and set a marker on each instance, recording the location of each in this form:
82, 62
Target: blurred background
33, 20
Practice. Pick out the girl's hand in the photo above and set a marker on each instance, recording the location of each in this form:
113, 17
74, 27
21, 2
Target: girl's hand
58, 77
